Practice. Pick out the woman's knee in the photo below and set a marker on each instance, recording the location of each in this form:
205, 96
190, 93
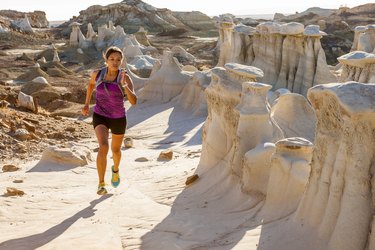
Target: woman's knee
116, 150
103, 148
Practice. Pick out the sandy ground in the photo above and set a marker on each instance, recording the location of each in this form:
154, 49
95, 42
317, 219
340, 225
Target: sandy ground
61, 210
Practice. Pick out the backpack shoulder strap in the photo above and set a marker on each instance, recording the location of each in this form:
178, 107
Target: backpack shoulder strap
100, 76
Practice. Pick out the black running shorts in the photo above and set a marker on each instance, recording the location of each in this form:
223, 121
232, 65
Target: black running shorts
117, 126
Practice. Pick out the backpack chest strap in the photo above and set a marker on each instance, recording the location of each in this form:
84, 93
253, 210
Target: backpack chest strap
101, 75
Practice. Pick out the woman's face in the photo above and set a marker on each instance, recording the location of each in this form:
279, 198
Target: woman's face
114, 60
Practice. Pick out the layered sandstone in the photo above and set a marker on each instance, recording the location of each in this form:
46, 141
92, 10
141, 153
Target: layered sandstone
290, 55
338, 201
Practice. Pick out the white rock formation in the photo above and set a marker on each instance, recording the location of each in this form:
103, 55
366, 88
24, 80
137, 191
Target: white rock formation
70, 156
111, 26
76, 35
3, 29
142, 65
273, 96
295, 116
80, 51
138, 81
357, 32
223, 95
26, 101
193, 96
255, 125
167, 82
313, 30
40, 79
131, 50
182, 55
141, 36
338, 202
256, 169
225, 42
24, 25
320, 194
106, 37
56, 57
118, 38
103, 32
289, 173
357, 66
366, 39
290, 55
244, 142
292, 28
190, 68
91, 34
41, 60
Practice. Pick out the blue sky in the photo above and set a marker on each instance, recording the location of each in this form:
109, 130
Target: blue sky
65, 9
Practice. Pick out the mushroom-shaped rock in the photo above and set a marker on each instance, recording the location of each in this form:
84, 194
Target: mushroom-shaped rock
313, 30
241, 28
268, 28
357, 31
243, 71
74, 24
254, 124
292, 28
357, 58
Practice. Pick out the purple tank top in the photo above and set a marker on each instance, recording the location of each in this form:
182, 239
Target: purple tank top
109, 100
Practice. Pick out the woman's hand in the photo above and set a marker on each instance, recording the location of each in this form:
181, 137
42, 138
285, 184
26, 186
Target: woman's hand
85, 110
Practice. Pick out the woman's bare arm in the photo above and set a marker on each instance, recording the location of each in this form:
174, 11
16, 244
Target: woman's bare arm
129, 88
90, 89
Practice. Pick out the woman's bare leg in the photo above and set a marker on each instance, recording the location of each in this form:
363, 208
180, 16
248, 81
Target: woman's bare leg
102, 133
116, 150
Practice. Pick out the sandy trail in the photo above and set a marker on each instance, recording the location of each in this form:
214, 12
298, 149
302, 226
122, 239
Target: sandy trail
61, 209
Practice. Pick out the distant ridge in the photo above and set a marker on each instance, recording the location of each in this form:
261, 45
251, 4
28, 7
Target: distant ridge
56, 23
258, 16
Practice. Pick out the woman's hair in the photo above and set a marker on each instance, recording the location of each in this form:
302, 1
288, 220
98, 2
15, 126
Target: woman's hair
111, 50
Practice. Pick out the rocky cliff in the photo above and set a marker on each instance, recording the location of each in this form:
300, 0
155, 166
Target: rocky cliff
132, 14
37, 19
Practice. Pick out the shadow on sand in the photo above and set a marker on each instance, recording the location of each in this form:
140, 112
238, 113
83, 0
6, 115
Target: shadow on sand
180, 122
45, 166
207, 215
38, 240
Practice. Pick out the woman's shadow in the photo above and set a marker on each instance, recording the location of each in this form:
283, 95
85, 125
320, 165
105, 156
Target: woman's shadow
37, 240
